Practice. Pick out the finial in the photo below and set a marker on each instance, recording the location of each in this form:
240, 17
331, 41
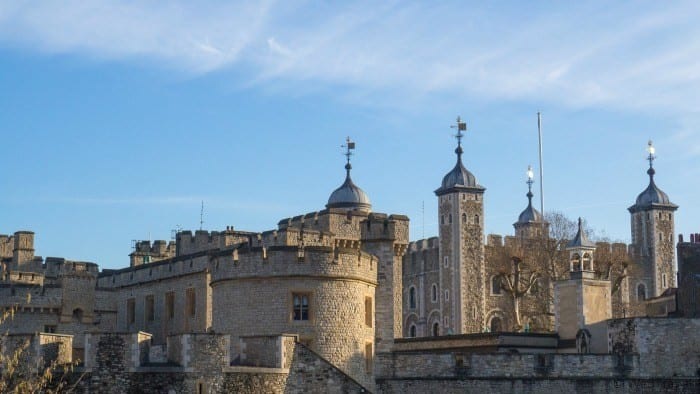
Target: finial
650, 158
460, 126
349, 147
529, 182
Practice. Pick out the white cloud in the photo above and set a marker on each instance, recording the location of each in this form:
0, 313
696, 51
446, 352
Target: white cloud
626, 56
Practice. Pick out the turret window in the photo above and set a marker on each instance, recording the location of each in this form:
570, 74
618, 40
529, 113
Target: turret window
442, 219
446, 261
476, 219
434, 293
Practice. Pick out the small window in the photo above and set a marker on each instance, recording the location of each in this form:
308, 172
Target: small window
412, 298
50, 329
130, 311
450, 217
476, 219
170, 305
300, 306
660, 237
369, 356
150, 315
446, 261
447, 295
191, 304
434, 293
496, 285
663, 280
412, 331
442, 219
641, 292
368, 311
436, 329
464, 218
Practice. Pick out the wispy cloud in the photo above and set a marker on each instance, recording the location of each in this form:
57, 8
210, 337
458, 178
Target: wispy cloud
637, 56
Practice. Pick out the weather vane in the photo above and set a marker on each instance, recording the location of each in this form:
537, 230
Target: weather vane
652, 153
349, 147
460, 126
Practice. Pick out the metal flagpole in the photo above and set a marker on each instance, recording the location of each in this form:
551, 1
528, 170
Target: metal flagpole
539, 132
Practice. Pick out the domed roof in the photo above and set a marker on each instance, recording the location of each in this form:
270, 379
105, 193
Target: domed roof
349, 195
458, 178
530, 214
652, 196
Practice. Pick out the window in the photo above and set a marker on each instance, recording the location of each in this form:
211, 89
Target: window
434, 293
442, 219
170, 305
369, 356
447, 295
450, 218
150, 315
436, 329
191, 302
130, 311
663, 280
412, 298
641, 292
576, 262
412, 331
496, 324
476, 219
50, 329
300, 306
446, 261
368, 311
464, 218
587, 262
496, 285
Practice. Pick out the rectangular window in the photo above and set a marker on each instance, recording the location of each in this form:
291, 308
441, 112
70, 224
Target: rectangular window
50, 329
131, 311
368, 311
369, 357
446, 261
447, 295
150, 314
191, 304
300, 306
170, 305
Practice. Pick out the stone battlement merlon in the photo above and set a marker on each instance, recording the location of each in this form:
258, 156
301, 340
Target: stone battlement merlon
187, 243
383, 227
423, 244
693, 238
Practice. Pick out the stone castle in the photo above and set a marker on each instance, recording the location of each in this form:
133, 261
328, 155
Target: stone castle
321, 303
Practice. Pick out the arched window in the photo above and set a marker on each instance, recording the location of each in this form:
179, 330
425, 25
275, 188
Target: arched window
496, 324
576, 262
641, 292
412, 331
496, 285
412, 298
436, 329
464, 218
587, 262
434, 293
476, 219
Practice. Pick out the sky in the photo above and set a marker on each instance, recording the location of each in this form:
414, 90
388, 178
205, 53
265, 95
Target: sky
119, 118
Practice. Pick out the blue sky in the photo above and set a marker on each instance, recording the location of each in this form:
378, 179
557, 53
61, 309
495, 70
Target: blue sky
118, 118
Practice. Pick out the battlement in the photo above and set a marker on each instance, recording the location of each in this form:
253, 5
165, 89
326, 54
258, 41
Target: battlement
383, 227
203, 240
693, 238
147, 252
423, 244
293, 261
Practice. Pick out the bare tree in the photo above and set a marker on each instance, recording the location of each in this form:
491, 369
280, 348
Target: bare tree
517, 284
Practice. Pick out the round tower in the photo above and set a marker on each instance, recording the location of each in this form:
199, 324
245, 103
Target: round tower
461, 232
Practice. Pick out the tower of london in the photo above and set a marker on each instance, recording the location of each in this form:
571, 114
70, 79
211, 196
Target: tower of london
339, 300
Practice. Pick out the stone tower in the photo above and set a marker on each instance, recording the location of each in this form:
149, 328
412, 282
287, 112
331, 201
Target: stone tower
461, 232
583, 303
652, 225
530, 223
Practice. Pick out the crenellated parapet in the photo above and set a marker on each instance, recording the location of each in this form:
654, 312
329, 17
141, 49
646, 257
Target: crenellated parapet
293, 261
383, 227
187, 243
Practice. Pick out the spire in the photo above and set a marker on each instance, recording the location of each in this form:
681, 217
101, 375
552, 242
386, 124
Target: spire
580, 240
459, 178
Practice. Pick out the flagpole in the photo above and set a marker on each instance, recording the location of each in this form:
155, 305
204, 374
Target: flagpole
539, 132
